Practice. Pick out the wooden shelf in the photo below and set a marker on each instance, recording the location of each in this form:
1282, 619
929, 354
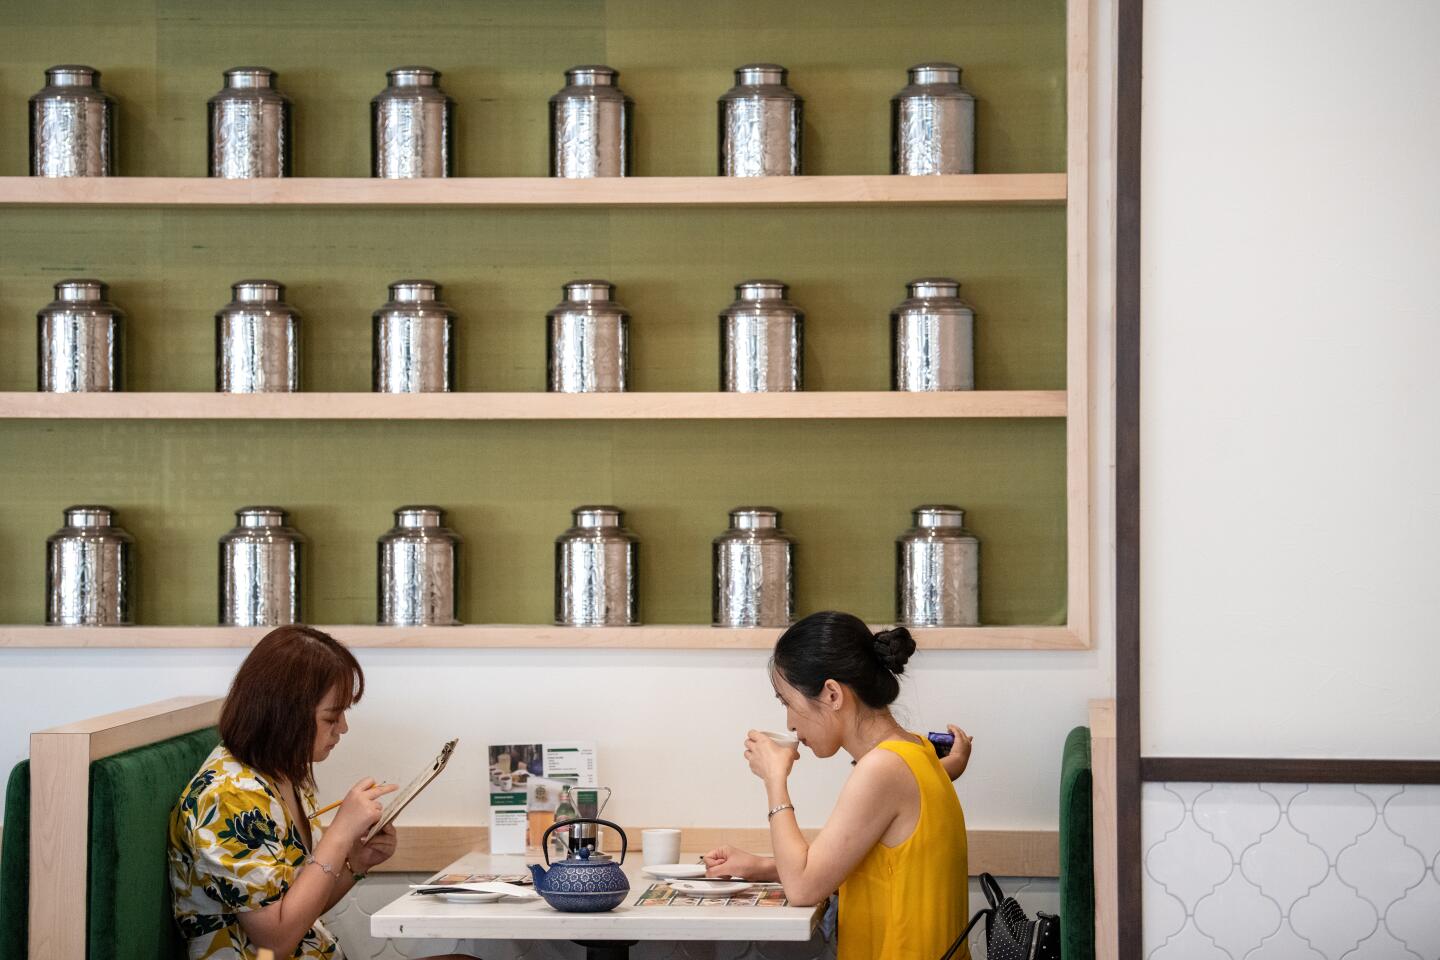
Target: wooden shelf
833, 405
490, 636
1017, 188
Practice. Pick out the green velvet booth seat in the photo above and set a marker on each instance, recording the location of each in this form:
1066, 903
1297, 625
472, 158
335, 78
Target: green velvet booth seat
1077, 849
15, 866
128, 913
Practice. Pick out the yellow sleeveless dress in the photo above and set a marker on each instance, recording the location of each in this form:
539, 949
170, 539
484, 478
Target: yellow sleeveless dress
910, 901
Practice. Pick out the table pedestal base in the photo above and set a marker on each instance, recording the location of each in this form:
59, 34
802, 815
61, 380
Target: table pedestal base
607, 949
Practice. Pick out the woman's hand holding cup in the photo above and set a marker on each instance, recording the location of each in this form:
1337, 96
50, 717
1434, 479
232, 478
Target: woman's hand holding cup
769, 759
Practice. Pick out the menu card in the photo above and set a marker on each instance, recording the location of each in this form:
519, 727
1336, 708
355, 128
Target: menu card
526, 781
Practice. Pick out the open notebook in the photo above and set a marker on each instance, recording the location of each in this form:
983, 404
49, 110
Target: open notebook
403, 798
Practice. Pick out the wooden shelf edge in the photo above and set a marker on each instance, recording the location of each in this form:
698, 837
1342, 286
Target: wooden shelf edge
858, 190
814, 405
511, 636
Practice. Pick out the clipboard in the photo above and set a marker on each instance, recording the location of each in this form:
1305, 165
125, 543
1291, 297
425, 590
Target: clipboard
403, 798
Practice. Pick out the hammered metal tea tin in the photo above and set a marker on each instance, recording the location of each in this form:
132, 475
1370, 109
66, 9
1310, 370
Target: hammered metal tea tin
597, 566
72, 125
413, 347
418, 570
250, 127
933, 338
90, 570
932, 123
937, 570
80, 339
260, 570
762, 340
257, 340
410, 126
754, 571
761, 121
590, 125
587, 348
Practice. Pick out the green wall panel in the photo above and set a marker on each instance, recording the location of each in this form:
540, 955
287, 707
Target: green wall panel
501, 61
845, 489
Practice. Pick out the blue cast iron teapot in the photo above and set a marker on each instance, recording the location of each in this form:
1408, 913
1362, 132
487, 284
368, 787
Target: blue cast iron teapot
586, 881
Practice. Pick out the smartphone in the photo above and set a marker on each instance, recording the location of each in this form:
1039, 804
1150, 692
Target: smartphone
942, 742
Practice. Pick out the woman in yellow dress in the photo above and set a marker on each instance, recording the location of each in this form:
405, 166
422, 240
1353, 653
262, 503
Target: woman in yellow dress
895, 843
249, 867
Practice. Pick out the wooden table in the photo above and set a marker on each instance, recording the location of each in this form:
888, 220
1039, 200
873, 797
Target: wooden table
606, 936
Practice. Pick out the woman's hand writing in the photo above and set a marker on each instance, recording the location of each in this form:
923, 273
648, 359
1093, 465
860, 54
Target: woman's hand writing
360, 810
769, 760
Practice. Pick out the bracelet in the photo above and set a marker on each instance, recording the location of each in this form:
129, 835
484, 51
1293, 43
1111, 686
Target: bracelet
355, 874
329, 870
783, 806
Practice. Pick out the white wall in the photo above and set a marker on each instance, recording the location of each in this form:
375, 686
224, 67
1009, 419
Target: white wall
670, 725
1290, 451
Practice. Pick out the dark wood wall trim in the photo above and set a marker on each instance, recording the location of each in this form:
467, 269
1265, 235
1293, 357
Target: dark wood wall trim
1127, 478
1287, 770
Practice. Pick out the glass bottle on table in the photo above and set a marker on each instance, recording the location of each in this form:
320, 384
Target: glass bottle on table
564, 810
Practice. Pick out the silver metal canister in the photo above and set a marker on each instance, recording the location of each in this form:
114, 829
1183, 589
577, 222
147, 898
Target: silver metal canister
933, 338
588, 347
410, 126
90, 570
80, 340
257, 340
597, 570
932, 123
761, 120
260, 570
72, 125
762, 340
414, 341
419, 570
937, 570
250, 127
754, 565
590, 125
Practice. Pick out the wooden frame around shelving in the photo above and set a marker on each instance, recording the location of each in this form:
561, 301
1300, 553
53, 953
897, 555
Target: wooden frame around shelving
1070, 187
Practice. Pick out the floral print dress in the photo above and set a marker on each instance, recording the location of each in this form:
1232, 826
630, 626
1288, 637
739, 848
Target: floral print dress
234, 849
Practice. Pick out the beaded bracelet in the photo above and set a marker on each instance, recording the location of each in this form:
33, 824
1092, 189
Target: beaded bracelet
329, 871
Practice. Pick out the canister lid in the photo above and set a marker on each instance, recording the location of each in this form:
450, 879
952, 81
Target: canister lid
592, 75
754, 518
761, 290
419, 516
409, 291
584, 291
933, 287
598, 516
89, 515
938, 515
72, 75
247, 78
413, 77
935, 72
761, 73
74, 290
261, 517
258, 291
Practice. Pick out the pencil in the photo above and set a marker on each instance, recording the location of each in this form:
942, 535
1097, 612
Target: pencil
326, 809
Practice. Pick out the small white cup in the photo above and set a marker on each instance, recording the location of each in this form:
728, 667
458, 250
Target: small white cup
661, 847
784, 739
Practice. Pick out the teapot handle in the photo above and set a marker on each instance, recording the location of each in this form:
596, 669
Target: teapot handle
545, 847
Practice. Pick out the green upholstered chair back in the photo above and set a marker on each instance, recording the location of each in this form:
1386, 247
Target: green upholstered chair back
1077, 849
131, 795
15, 865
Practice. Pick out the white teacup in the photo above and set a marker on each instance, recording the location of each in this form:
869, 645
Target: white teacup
660, 847
784, 739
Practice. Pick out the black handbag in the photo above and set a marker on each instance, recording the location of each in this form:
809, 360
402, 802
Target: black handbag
1009, 934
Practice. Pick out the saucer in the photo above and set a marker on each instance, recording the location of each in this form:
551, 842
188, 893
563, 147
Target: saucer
469, 897
710, 888
675, 871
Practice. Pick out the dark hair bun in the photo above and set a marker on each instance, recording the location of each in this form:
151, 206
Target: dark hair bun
894, 647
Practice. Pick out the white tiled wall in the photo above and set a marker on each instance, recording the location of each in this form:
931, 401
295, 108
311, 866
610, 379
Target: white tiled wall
350, 922
1291, 871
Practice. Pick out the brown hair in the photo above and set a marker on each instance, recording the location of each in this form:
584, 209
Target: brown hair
268, 721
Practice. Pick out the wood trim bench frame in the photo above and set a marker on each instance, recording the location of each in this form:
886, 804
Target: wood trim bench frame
60, 759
